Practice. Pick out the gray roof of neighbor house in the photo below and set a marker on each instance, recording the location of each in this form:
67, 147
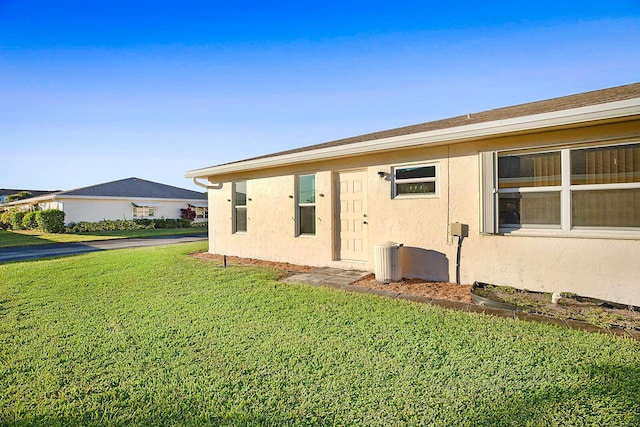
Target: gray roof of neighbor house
586, 99
135, 187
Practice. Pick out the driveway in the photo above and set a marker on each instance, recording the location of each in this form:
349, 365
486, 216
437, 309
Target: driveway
63, 249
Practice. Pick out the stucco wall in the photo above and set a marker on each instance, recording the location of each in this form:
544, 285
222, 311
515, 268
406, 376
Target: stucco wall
94, 210
599, 267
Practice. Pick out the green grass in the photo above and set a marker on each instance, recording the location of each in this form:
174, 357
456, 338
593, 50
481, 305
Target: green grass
151, 336
10, 239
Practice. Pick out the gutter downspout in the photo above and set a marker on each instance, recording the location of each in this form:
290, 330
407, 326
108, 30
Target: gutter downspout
217, 186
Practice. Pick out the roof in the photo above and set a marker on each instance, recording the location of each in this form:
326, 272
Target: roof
499, 115
127, 188
135, 187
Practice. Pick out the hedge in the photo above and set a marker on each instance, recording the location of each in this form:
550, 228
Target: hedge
12, 219
50, 221
30, 220
122, 224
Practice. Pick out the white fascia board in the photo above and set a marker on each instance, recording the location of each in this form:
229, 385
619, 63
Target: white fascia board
127, 199
31, 200
606, 111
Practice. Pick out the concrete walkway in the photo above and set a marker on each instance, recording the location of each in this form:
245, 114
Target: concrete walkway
333, 277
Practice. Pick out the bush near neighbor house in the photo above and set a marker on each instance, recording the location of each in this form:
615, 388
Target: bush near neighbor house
19, 196
30, 220
50, 221
188, 214
12, 219
104, 225
3, 225
123, 224
165, 222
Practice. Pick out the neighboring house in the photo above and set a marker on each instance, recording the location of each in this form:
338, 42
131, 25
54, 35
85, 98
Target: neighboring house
550, 192
131, 198
6, 192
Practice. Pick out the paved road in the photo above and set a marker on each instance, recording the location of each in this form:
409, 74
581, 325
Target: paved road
62, 249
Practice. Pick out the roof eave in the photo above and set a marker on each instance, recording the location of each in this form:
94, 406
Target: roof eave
574, 116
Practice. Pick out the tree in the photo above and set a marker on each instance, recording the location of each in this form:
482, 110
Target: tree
19, 196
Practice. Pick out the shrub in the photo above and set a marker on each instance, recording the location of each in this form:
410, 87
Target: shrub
5, 220
188, 214
30, 220
19, 196
203, 224
122, 224
105, 225
13, 219
50, 221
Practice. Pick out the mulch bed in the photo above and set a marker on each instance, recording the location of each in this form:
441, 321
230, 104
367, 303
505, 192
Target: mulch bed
591, 313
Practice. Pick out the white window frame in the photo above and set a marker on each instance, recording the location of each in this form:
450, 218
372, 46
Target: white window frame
489, 222
202, 212
301, 205
396, 181
143, 211
236, 208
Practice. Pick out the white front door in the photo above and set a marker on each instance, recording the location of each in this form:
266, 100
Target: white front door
352, 216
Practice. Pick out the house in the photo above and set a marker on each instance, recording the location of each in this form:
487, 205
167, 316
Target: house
131, 198
549, 190
6, 192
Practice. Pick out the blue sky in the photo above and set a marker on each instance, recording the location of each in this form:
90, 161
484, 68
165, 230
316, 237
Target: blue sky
94, 91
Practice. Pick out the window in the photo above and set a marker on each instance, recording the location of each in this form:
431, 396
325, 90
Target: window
240, 206
306, 202
605, 186
202, 212
529, 190
143, 211
419, 180
567, 189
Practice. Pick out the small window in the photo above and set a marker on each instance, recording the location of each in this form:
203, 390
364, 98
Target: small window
240, 206
419, 180
144, 211
202, 212
306, 204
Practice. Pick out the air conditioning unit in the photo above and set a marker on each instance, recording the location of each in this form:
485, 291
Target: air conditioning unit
388, 262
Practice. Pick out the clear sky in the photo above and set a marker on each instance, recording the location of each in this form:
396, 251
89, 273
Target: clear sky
94, 91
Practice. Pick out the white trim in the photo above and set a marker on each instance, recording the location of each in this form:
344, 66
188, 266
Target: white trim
632, 233
573, 116
235, 207
435, 180
128, 199
299, 205
566, 190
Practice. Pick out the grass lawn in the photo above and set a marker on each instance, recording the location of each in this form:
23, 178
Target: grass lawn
151, 336
31, 238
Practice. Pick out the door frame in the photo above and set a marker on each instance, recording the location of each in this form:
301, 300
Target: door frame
336, 213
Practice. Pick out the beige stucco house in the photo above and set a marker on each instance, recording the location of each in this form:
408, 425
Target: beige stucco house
130, 198
550, 191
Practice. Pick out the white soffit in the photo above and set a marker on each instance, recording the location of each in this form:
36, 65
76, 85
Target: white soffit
606, 111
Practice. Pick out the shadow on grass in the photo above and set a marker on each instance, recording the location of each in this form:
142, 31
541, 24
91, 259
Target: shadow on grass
607, 396
10, 239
